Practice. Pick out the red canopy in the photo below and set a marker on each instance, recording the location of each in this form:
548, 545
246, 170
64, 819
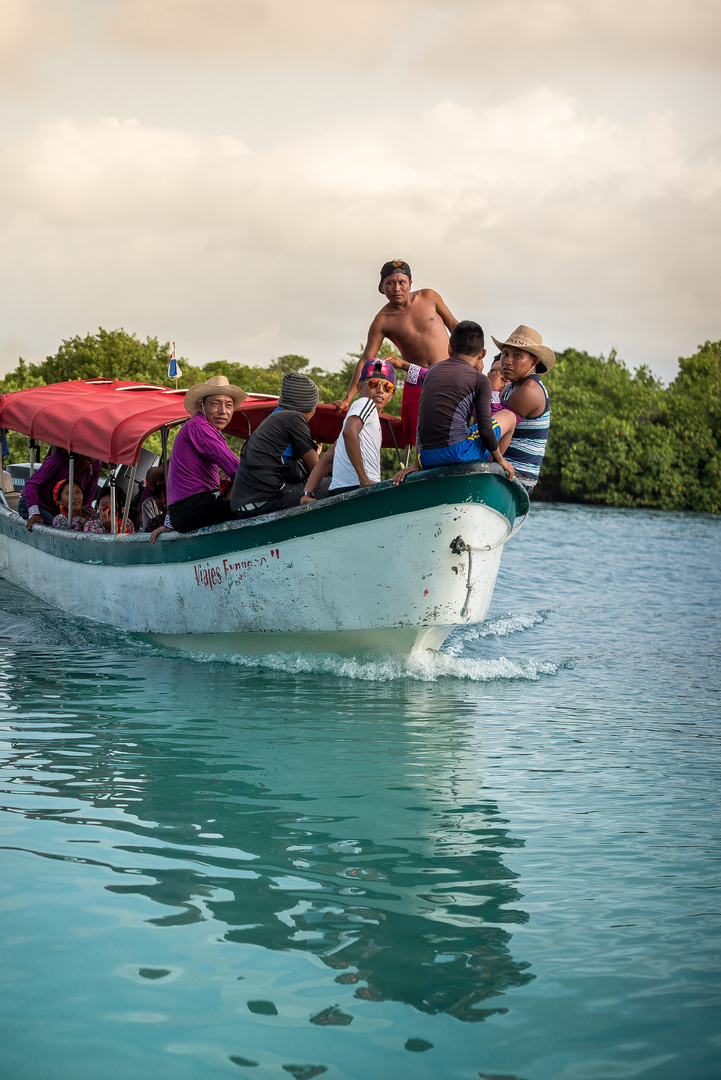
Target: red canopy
102, 419
111, 420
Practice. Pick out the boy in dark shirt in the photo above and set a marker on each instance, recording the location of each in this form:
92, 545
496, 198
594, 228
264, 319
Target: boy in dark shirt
452, 393
260, 485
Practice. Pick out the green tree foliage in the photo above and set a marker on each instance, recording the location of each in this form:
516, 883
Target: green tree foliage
109, 354
692, 409
291, 362
623, 439
617, 437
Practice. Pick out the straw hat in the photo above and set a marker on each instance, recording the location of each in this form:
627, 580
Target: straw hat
218, 384
523, 337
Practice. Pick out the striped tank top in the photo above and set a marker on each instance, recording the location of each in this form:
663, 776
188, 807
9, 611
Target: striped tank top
528, 445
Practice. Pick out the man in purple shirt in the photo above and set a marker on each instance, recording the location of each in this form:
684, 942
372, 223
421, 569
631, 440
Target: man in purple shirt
194, 498
36, 502
193, 485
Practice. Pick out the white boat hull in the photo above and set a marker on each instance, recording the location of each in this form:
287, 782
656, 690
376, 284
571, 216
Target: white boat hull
391, 582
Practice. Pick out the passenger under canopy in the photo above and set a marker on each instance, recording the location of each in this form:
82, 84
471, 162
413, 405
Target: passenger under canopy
110, 420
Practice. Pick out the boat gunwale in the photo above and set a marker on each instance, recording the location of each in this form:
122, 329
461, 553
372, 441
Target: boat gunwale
482, 483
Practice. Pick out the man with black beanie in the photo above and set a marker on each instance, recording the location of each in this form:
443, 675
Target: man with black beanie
262, 484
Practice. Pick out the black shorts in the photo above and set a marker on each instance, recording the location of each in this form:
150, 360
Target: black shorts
198, 511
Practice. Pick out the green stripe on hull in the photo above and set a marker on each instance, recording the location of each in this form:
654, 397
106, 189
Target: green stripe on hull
437, 487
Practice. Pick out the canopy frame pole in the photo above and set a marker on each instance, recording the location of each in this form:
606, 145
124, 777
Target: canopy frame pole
71, 485
3, 500
33, 448
129, 498
395, 443
113, 523
164, 454
164, 435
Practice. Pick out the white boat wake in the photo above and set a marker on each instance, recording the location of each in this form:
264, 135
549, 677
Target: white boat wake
425, 666
27, 620
503, 626
421, 666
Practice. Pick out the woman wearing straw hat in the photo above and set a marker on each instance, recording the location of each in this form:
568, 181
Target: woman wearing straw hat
523, 358
194, 499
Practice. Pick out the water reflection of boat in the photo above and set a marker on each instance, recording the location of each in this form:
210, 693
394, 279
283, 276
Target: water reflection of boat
379, 567
215, 810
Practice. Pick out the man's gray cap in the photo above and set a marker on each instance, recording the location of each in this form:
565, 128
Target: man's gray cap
298, 392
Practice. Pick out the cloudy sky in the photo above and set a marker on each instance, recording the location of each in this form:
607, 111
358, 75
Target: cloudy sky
232, 173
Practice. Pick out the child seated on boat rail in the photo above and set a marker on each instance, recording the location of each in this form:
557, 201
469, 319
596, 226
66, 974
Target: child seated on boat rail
453, 393
355, 457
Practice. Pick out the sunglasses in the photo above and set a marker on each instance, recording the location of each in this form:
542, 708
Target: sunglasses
387, 386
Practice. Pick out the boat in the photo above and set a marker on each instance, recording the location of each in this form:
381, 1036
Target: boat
384, 567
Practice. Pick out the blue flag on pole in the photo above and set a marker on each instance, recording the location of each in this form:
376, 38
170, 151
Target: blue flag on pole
173, 367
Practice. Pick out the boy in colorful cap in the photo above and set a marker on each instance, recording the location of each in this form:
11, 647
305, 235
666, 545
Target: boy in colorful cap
355, 457
418, 324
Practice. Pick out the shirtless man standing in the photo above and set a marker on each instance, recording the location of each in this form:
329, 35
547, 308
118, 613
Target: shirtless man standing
418, 324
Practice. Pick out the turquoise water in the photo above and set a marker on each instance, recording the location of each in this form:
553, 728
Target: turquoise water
500, 862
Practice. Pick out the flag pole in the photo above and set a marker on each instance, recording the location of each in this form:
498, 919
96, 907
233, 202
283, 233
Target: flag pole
174, 371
